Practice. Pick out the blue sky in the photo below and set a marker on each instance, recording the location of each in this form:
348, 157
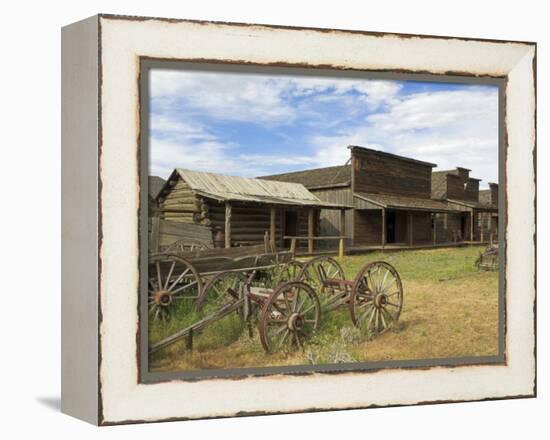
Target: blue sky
253, 125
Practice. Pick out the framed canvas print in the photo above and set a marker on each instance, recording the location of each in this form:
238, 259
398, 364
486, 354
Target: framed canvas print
262, 219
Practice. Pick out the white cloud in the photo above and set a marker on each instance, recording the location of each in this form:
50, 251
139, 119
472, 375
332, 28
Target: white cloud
261, 98
449, 128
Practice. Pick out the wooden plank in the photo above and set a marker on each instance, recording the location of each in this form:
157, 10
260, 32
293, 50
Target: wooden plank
341, 248
227, 225
155, 235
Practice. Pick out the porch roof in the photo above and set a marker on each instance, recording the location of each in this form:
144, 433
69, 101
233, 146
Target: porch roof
405, 203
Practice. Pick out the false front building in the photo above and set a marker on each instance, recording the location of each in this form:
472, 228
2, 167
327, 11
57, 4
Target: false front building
477, 216
390, 195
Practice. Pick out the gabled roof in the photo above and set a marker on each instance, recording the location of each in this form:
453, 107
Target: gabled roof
405, 203
155, 185
242, 189
327, 177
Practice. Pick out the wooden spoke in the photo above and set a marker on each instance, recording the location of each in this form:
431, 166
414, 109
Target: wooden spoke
369, 310
288, 272
225, 288
301, 316
170, 274
317, 271
169, 277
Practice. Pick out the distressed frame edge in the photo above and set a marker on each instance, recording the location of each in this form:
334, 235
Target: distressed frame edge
105, 422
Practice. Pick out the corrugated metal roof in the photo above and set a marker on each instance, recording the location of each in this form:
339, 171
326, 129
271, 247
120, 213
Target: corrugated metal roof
405, 203
234, 188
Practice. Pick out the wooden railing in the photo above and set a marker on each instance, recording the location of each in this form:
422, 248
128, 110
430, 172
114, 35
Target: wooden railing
311, 239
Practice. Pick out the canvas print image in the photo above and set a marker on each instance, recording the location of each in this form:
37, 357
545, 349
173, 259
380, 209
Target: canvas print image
303, 219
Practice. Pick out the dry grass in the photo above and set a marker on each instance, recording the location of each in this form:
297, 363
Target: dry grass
450, 310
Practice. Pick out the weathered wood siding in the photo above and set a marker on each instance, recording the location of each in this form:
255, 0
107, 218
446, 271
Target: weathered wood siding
382, 174
330, 218
368, 227
462, 187
422, 227
455, 187
471, 190
488, 223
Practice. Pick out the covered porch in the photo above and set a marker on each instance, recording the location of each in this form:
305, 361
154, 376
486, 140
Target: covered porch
388, 221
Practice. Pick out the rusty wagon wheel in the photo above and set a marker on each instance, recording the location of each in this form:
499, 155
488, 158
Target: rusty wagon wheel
225, 288
317, 272
289, 316
376, 297
172, 279
288, 272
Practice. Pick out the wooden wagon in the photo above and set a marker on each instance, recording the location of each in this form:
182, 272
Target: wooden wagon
290, 310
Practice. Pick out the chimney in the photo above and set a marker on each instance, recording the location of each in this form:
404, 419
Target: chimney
494, 193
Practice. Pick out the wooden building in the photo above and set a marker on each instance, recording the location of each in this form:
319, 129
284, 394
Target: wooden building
241, 209
473, 221
390, 195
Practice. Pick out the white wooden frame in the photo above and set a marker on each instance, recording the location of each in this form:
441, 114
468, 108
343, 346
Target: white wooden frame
101, 59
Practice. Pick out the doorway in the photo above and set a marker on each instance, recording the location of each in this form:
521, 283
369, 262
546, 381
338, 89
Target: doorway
390, 227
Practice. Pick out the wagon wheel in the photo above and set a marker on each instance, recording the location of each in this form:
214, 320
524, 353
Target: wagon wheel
377, 297
225, 288
288, 272
172, 280
289, 316
316, 272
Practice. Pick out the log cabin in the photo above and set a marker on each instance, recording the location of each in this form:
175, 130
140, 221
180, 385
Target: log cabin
473, 220
390, 196
242, 210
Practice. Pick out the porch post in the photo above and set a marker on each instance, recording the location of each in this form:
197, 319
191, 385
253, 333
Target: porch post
410, 228
471, 225
434, 229
227, 224
272, 213
310, 219
342, 243
383, 228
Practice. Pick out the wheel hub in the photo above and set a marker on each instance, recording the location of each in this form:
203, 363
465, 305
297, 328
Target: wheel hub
380, 300
163, 298
296, 321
